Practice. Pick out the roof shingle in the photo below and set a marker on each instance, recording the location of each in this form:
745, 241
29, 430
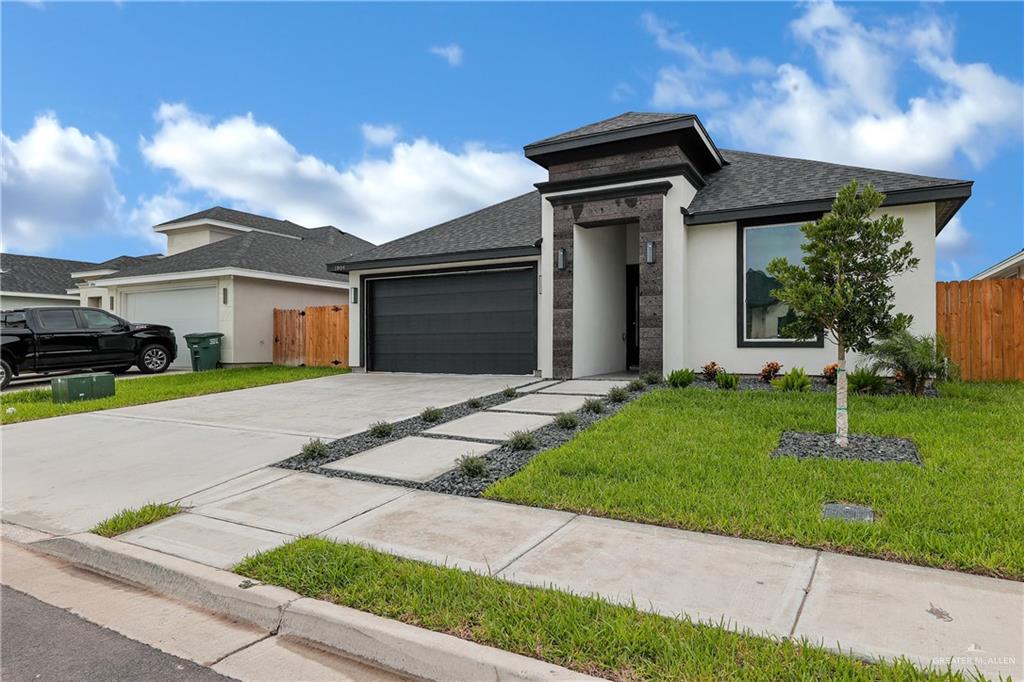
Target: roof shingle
630, 119
38, 275
250, 220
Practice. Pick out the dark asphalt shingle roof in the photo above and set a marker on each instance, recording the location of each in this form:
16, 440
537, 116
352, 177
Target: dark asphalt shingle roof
630, 119
38, 275
751, 180
251, 220
509, 224
337, 239
254, 251
122, 262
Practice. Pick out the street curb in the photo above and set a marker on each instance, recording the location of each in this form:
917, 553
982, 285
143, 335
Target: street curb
390, 644
203, 586
408, 649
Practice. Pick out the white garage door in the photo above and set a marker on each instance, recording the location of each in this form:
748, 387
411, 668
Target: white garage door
184, 310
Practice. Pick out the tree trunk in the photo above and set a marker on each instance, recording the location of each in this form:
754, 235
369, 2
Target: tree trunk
842, 420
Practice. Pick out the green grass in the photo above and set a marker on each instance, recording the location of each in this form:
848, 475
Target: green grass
699, 459
37, 403
130, 519
582, 633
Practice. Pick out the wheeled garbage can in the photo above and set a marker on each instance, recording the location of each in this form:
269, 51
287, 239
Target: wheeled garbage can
204, 348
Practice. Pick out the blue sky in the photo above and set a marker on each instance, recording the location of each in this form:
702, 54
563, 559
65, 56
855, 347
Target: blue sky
386, 118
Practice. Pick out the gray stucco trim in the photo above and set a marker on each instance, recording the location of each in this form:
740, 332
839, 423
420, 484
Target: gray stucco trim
959, 191
613, 193
456, 257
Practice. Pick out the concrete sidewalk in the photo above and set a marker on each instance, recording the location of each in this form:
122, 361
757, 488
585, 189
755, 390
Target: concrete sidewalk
865, 606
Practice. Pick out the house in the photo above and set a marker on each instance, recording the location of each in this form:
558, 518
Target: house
37, 281
1008, 268
645, 250
225, 271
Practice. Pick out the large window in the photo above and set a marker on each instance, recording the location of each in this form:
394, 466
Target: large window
762, 316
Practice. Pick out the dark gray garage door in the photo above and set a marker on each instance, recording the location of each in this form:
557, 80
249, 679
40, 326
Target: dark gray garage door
479, 322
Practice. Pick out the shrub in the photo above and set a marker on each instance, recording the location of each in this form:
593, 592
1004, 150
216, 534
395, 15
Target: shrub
711, 370
795, 379
865, 380
652, 378
618, 394
830, 373
381, 429
637, 385
727, 381
770, 371
522, 440
315, 448
508, 392
472, 465
567, 420
593, 405
916, 359
432, 414
475, 403
680, 378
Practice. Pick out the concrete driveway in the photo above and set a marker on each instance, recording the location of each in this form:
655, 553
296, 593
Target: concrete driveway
65, 474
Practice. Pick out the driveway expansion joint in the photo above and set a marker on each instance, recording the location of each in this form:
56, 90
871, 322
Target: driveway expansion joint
807, 592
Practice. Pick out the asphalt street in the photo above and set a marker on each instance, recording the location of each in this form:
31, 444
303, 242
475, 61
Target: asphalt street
41, 642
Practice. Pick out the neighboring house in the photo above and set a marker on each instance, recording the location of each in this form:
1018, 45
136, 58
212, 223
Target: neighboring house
37, 281
225, 271
645, 249
1010, 268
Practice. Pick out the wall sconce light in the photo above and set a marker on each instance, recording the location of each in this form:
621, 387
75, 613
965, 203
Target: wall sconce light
354, 294
561, 259
649, 253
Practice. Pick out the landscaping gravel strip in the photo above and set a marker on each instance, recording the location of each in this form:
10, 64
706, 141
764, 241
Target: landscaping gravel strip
862, 448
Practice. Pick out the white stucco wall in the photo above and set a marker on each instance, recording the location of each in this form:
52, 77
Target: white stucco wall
355, 281
710, 281
599, 300
193, 237
250, 309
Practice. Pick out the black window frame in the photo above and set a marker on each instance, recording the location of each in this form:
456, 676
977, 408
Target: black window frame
42, 312
741, 312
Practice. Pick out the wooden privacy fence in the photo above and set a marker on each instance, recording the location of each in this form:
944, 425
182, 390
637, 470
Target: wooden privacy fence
315, 336
983, 324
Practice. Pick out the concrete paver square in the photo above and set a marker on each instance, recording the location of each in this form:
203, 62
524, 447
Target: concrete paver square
584, 386
931, 616
301, 504
490, 425
234, 486
138, 614
538, 386
545, 404
282, 658
411, 459
470, 533
751, 585
209, 541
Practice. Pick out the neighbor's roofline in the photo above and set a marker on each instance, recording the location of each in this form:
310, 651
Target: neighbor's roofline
1013, 259
30, 294
641, 130
219, 272
200, 222
957, 191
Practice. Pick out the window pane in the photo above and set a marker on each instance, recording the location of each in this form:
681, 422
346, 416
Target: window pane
57, 320
766, 315
95, 319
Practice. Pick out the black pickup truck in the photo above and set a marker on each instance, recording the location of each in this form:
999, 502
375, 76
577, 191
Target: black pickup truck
59, 339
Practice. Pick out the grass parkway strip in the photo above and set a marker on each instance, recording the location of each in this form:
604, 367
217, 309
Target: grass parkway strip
22, 406
585, 634
701, 460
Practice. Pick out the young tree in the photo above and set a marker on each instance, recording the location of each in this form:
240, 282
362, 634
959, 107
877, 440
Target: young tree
844, 287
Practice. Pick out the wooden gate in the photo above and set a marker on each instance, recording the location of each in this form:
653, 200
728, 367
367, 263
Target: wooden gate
983, 324
315, 336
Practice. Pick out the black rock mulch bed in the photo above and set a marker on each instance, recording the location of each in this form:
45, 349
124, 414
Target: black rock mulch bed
863, 448
501, 462
749, 382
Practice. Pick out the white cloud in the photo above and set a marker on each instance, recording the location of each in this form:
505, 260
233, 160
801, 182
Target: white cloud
57, 182
156, 209
721, 61
954, 241
450, 53
252, 166
380, 135
678, 89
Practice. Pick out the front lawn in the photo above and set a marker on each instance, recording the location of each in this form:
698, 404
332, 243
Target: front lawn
699, 459
37, 403
585, 634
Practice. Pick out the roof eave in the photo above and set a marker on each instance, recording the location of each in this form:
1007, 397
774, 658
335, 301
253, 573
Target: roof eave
1010, 261
434, 259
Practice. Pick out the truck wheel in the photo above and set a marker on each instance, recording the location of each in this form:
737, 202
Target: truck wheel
5, 374
154, 359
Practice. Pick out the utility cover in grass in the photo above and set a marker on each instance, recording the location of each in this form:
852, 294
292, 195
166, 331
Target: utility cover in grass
865, 448
847, 512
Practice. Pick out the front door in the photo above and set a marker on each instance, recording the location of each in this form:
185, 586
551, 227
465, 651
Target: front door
632, 316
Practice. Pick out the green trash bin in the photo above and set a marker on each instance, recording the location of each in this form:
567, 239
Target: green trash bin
205, 350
